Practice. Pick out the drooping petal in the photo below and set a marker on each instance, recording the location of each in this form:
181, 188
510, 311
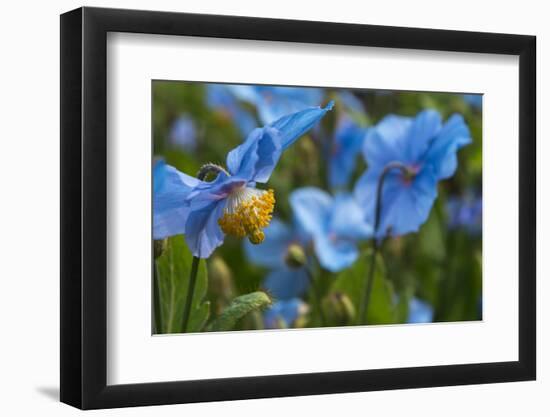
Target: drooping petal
285, 283
419, 312
202, 232
347, 219
348, 139
311, 207
442, 153
294, 125
283, 313
271, 253
170, 189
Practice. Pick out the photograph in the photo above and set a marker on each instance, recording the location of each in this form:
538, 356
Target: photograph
291, 207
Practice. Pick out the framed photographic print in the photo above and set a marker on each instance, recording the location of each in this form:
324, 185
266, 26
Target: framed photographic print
258, 208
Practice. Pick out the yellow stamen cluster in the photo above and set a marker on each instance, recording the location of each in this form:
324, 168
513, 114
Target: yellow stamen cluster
249, 216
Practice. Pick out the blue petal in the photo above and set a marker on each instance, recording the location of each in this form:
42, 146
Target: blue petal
311, 207
442, 153
183, 134
256, 158
285, 283
348, 139
405, 205
424, 128
347, 219
419, 312
271, 253
202, 232
221, 98
335, 253
286, 311
170, 189
293, 126
351, 101
386, 142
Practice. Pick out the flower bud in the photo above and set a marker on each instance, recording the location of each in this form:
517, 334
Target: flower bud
295, 256
220, 283
159, 246
339, 309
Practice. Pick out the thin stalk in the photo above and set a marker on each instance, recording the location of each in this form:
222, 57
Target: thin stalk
318, 295
190, 291
156, 301
363, 311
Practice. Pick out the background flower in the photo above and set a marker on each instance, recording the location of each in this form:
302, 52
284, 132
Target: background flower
427, 149
419, 311
335, 224
221, 98
183, 133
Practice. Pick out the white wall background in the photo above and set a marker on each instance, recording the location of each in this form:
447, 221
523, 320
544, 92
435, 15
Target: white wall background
29, 175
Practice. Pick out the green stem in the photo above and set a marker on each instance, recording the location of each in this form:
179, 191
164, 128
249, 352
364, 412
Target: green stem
363, 311
157, 322
318, 296
190, 291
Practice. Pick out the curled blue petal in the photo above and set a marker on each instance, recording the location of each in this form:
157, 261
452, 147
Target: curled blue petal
202, 232
285, 283
423, 129
295, 125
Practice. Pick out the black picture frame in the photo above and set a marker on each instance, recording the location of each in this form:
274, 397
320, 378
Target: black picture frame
84, 207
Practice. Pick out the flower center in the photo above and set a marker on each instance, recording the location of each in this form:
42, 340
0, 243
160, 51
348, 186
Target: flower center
248, 210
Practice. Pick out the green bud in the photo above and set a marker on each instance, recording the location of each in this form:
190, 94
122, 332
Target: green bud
295, 256
159, 246
339, 309
220, 283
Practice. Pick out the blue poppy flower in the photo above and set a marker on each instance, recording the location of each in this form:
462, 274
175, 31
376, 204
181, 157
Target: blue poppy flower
465, 212
427, 148
346, 145
283, 314
220, 98
274, 102
474, 100
283, 281
335, 224
183, 134
419, 311
231, 204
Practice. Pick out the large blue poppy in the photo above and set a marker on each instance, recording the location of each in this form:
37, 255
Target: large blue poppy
231, 204
427, 149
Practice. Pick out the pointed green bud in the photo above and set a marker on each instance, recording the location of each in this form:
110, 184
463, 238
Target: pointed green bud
295, 256
339, 309
159, 246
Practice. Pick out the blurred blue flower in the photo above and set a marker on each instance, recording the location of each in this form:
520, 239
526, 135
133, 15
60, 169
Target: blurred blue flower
346, 145
474, 100
427, 148
221, 98
334, 224
183, 134
465, 212
350, 101
283, 314
231, 204
419, 311
283, 281
274, 102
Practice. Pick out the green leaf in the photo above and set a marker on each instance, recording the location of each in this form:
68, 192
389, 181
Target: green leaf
173, 268
352, 282
239, 308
